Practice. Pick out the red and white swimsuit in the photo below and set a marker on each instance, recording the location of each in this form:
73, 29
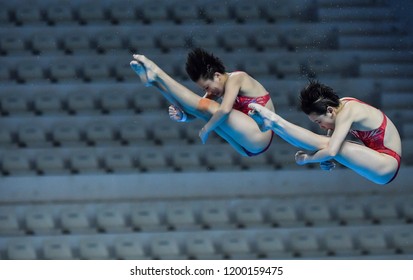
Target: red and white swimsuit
374, 139
241, 104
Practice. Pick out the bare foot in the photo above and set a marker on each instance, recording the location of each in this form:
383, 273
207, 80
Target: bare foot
144, 68
265, 118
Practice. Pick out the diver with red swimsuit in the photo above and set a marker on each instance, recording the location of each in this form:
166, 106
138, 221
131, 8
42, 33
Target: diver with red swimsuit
377, 159
224, 107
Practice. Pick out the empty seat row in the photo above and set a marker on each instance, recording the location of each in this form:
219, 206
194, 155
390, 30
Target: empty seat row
357, 13
164, 39
128, 98
396, 100
81, 102
120, 103
140, 154
106, 70
384, 242
67, 72
206, 215
88, 160
150, 159
149, 13
100, 131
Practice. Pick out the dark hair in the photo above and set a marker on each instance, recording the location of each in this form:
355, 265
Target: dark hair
316, 97
201, 64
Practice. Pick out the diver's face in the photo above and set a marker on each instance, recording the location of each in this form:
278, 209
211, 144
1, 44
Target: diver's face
214, 86
326, 121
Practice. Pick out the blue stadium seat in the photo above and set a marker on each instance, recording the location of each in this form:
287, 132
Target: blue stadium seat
350, 213
215, 215
44, 44
205, 40
91, 14
48, 103
186, 161
80, 103
4, 73
166, 132
21, 249
271, 245
266, 41
62, 72
383, 211
4, 17
76, 43
172, 41
28, 15
16, 163
15, 104
131, 133
59, 15
29, 71
154, 161
283, 214
247, 12
66, 134
49, 163
182, 13
236, 246
119, 161
84, 162
373, 242
75, 220
166, 248
111, 219
146, 100
235, 40
181, 217
214, 12
32, 136
317, 213
201, 247
147, 218
306, 244
403, 240
249, 215
154, 13
219, 161
114, 102
123, 13
108, 43
124, 73
407, 209
12, 44
142, 43
93, 248
129, 248
256, 68
340, 243
95, 71
57, 249
100, 133
6, 138
9, 223
40, 221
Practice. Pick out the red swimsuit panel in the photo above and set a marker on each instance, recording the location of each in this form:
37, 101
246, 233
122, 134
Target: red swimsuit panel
241, 104
374, 139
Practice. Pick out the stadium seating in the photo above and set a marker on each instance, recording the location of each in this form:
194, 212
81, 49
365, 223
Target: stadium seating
93, 168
